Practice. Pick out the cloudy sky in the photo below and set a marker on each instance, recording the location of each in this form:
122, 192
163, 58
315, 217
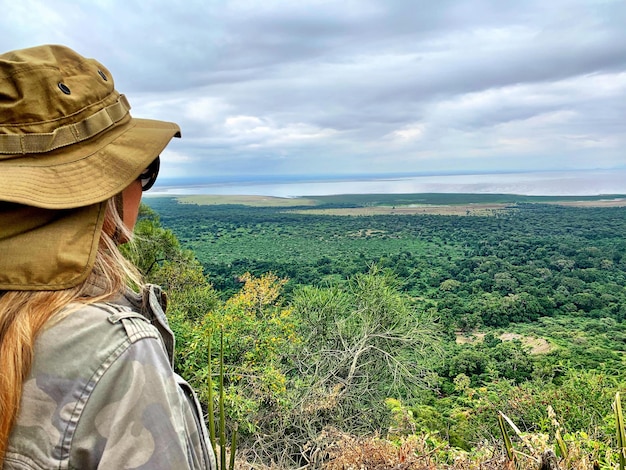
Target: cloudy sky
303, 87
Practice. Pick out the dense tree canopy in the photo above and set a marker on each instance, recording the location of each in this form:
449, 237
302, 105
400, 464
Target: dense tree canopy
398, 324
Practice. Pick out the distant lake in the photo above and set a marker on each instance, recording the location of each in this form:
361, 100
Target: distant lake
571, 183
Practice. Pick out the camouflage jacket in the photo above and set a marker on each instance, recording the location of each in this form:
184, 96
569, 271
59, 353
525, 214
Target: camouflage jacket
102, 394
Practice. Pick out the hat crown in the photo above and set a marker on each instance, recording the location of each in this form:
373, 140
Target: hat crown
63, 126
47, 87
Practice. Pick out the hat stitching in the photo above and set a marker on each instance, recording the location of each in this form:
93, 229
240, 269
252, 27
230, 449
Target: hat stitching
27, 69
40, 160
61, 118
68, 67
97, 192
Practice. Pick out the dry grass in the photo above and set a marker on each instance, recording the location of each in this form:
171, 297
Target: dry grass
415, 209
478, 209
336, 450
619, 202
255, 201
407, 453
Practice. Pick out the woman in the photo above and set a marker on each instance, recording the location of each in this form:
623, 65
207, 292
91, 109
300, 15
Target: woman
86, 379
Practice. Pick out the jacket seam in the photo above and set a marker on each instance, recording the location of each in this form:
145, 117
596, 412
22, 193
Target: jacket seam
83, 399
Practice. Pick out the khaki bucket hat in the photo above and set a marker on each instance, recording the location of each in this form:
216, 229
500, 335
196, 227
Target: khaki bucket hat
66, 136
67, 144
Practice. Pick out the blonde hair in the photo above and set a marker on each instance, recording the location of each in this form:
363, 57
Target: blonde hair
23, 314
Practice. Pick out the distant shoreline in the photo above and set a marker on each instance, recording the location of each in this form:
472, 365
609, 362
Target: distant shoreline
545, 183
245, 179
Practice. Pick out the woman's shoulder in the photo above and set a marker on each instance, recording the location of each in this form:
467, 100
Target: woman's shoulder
78, 348
90, 332
72, 357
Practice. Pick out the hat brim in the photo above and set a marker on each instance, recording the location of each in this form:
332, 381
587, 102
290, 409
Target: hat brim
89, 172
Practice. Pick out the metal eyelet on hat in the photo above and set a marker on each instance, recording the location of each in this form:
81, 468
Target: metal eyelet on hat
64, 88
104, 77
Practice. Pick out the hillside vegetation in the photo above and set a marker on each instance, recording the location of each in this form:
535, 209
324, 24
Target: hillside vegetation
399, 338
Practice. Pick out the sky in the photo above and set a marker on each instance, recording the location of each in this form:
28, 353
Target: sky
284, 88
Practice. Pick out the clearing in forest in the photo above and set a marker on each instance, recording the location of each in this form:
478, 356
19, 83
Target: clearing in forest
618, 202
536, 345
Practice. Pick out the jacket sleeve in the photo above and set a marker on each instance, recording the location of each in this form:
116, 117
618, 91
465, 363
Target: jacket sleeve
138, 416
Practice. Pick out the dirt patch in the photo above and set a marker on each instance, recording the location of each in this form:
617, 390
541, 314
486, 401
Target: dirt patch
364, 233
536, 345
619, 202
464, 338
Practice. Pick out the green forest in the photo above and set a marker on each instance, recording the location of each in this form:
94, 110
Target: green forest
395, 340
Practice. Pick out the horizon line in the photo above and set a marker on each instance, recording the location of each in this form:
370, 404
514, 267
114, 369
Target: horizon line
321, 177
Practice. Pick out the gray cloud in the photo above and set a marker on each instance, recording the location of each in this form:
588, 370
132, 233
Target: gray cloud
314, 86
